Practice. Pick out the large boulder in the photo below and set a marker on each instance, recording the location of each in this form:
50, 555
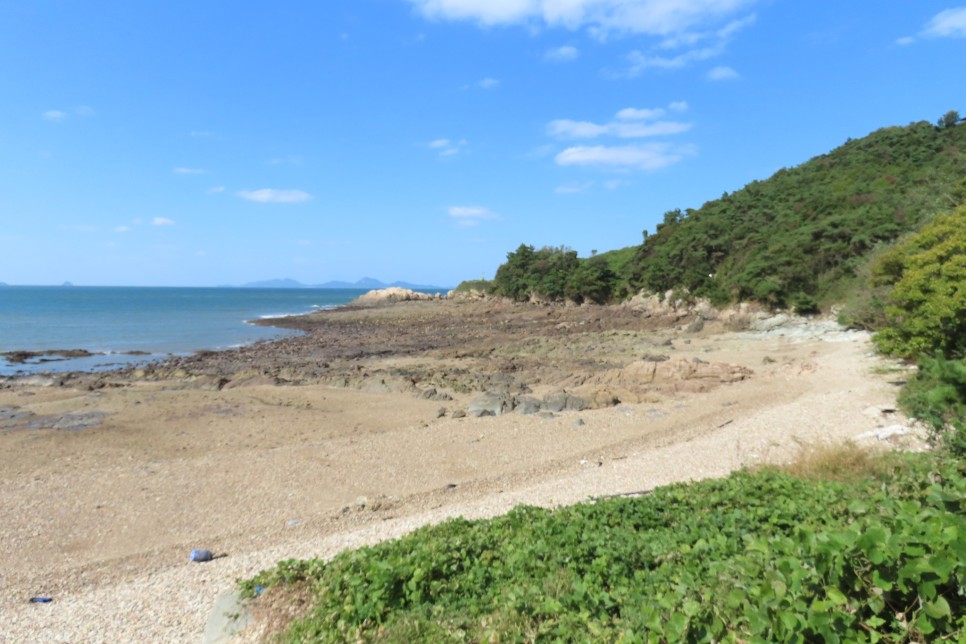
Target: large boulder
392, 294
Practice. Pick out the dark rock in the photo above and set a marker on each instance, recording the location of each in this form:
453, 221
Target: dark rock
490, 405
655, 357
562, 401
526, 405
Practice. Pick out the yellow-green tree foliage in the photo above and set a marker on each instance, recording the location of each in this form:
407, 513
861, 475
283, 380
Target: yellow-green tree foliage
926, 311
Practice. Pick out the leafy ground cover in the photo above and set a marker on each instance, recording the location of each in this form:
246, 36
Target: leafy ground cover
757, 556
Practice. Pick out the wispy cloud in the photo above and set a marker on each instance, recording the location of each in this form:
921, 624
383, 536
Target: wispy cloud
447, 148
62, 115
950, 23
652, 17
468, 216
162, 221
182, 170
488, 83
214, 190
629, 123
685, 49
563, 54
723, 73
652, 156
271, 195
122, 229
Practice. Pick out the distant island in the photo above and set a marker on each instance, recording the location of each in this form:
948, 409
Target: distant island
365, 283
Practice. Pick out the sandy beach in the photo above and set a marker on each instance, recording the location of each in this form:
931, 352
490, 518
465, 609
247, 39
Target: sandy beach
363, 428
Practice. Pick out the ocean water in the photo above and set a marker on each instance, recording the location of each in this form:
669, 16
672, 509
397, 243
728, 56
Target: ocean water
113, 321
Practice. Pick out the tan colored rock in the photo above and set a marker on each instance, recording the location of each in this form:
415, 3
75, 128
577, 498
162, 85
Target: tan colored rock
392, 294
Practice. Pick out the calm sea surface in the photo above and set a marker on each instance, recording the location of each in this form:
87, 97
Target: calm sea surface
158, 321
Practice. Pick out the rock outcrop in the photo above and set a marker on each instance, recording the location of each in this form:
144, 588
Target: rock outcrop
393, 294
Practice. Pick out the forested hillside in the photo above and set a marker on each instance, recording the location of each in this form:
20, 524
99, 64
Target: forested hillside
796, 239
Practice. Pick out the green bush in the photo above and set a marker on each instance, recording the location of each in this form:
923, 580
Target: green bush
554, 274
937, 396
926, 308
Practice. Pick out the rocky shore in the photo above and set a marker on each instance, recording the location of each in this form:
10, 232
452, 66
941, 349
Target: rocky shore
379, 418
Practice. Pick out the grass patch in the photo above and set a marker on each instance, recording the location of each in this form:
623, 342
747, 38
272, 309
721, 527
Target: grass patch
756, 556
843, 463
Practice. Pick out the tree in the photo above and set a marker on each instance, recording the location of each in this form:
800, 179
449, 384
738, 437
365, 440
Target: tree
949, 119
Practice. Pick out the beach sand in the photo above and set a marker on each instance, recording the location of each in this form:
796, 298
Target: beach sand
345, 436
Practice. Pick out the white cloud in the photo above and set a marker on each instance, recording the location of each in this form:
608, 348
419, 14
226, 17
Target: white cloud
214, 190
122, 229
447, 148
905, 41
635, 114
722, 73
950, 23
678, 106
652, 156
270, 195
652, 17
697, 47
629, 123
488, 83
188, 171
562, 54
162, 221
466, 216
60, 115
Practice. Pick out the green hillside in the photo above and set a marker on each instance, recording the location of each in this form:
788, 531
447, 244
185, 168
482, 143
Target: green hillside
805, 229
800, 237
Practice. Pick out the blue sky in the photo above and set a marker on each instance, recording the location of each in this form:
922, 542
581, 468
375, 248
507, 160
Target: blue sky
205, 143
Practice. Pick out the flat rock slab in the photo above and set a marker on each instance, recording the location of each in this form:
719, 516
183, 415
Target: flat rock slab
227, 618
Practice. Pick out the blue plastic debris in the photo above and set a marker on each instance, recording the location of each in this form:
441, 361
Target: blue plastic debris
201, 555
41, 600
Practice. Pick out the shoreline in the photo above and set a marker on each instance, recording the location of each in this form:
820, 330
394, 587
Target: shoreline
351, 433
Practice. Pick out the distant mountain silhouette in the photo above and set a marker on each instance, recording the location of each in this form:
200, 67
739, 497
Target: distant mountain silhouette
369, 283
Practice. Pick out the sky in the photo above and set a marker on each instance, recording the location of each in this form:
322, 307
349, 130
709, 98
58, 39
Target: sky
207, 143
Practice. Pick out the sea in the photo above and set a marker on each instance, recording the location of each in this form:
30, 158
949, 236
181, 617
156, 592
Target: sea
125, 325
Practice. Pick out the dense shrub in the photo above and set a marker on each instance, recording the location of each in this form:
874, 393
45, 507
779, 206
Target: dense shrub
937, 396
554, 274
926, 310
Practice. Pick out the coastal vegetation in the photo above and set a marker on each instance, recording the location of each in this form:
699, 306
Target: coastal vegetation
763, 556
